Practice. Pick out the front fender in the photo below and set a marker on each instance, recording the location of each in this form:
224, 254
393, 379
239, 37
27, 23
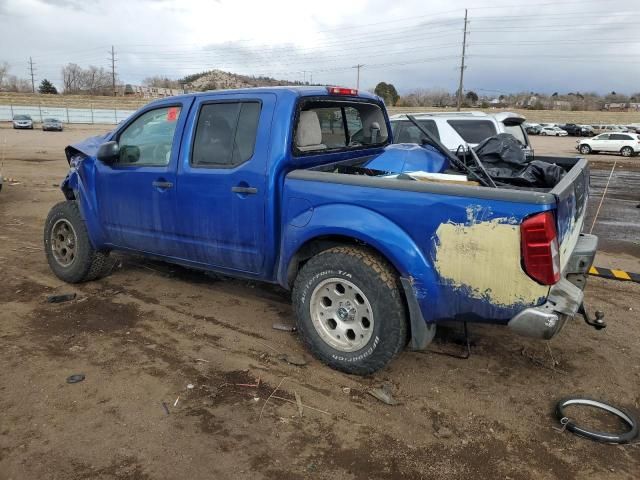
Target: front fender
79, 185
369, 227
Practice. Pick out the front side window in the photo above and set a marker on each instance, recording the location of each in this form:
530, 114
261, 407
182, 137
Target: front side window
148, 140
604, 136
473, 131
225, 134
330, 125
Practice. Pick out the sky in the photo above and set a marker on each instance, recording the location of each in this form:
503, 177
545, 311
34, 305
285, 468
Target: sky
512, 46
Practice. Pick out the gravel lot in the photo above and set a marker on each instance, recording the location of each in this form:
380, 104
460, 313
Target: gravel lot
148, 330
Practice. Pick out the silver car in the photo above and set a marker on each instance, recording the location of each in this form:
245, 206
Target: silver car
22, 121
52, 124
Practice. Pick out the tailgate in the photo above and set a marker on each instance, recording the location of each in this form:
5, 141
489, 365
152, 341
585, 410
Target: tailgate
572, 194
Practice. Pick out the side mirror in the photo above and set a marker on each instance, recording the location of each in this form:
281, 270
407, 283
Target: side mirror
108, 152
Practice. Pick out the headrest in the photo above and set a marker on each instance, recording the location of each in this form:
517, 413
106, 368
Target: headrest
309, 131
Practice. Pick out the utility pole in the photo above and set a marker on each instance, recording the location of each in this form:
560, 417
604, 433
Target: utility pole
464, 47
33, 82
358, 67
113, 70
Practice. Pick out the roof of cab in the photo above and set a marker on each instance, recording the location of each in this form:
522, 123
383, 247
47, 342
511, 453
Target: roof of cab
283, 91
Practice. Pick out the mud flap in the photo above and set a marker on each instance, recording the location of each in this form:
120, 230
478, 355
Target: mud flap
422, 333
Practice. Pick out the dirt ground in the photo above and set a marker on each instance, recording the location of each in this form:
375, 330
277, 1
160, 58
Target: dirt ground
147, 331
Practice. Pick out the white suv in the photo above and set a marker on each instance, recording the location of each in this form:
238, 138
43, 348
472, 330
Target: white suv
457, 128
627, 144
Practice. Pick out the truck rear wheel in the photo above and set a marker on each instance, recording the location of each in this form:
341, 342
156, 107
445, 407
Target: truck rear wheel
350, 310
69, 252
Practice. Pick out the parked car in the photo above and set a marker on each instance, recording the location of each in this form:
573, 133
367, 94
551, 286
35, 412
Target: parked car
532, 128
22, 121
52, 124
608, 128
265, 184
633, 128
627, 144
454, 129
577, 130
553, 131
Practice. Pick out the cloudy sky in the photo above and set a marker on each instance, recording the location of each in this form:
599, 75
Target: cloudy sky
535, 45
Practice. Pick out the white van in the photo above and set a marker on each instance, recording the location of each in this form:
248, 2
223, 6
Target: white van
459, 128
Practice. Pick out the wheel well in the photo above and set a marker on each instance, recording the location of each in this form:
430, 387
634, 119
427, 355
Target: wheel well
319, 244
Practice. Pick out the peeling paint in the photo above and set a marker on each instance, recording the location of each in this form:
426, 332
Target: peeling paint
483, 259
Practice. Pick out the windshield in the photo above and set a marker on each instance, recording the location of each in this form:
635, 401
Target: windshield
51, 120
22, 117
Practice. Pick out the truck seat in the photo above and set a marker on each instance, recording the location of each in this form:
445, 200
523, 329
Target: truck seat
309, 133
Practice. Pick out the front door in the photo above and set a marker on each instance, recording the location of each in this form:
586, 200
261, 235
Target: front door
600, 142
136, 196
222, 181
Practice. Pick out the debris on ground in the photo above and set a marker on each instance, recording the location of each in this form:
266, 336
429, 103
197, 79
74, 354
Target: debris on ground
285, 327
175, 404
65, 297
444, 432
79, 377
293, 359
346, 390
383, 394
190, 386
299, 403
166, 409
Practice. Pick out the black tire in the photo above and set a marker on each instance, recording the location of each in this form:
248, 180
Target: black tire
585, 149
381, 288
626, 151
603, 437
87, 263
544, 134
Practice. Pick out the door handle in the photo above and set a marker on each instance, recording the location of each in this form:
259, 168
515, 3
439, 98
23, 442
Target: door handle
162, 184
245, 190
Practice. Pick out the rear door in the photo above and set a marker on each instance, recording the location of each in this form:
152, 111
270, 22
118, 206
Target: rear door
222, 188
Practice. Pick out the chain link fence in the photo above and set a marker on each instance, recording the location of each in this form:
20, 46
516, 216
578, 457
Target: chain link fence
92, 114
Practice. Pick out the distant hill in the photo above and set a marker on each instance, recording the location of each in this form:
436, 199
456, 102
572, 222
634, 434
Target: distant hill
217, 80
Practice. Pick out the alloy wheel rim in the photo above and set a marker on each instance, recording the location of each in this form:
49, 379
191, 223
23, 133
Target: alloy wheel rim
341, 314
63, 242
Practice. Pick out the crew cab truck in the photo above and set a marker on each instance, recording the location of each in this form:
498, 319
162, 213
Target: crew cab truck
266, 184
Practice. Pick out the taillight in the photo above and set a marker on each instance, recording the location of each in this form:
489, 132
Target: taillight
540, 255
342, 91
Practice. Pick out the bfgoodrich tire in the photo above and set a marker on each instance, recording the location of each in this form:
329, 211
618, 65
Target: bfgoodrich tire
350, 311
69, 252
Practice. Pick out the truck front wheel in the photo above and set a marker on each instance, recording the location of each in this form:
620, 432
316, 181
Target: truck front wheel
350, 310
69, 252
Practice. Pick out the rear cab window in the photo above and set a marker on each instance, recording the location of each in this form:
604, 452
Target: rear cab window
326, 125
473, 131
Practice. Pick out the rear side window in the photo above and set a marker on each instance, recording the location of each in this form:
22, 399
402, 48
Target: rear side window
618, 136
473, 131
225, 134
407, 132
516, 131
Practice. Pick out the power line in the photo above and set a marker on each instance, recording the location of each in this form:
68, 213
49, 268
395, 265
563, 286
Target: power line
464, 47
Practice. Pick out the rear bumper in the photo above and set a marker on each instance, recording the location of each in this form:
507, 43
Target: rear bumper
565, 297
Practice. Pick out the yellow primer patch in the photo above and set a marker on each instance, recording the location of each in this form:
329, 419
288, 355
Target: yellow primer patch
484, 258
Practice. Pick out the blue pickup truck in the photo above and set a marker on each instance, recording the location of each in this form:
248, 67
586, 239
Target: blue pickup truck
273, 184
